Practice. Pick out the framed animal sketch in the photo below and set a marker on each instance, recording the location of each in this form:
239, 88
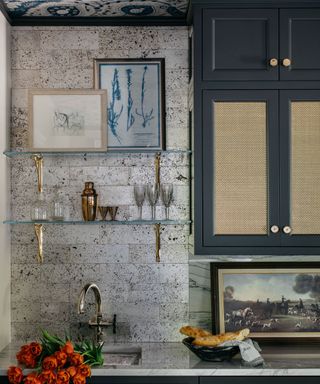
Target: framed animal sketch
67, 120
273, 300
136, 103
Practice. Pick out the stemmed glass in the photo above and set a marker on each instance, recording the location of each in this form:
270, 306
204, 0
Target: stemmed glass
139, 195
166, 195
153, 195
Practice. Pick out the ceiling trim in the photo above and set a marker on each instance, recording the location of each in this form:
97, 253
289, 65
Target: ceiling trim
4, 12
258, 3
98, 21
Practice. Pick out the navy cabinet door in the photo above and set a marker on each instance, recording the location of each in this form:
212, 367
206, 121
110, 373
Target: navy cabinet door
144, 380
300, 42
240, 177
300, 168
259, 380
239, 44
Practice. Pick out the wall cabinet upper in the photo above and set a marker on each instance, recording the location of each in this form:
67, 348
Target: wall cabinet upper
256, 129
260, 44
261, 179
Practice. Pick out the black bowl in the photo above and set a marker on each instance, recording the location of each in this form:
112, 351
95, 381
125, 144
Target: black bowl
216, 354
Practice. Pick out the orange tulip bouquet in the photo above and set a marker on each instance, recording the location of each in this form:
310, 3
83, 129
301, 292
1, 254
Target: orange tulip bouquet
55, 361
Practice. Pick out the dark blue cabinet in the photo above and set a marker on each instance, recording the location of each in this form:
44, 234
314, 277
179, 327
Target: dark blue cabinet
144, 380
259, 380
260, 44
299, 43
241, 169
134, 380
300, 168
239, 44
198, 380
256, 130
260, 180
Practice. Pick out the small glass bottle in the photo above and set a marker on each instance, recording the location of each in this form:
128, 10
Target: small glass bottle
39, 208
58, 206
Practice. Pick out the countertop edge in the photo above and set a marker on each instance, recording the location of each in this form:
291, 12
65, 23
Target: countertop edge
200, 372
174, 359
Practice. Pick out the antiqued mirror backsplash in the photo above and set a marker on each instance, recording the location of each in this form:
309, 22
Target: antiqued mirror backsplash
150, 298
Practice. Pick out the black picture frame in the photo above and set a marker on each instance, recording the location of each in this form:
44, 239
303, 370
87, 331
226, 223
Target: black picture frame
274, 268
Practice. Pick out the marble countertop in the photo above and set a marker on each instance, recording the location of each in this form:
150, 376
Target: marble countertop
174, 359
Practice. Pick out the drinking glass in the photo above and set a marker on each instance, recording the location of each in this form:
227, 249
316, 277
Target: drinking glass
103, 212
113, 212
139, 195
166, 195
153, 195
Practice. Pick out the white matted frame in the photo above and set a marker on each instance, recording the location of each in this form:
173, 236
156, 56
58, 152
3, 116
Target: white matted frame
136, 102
67, 120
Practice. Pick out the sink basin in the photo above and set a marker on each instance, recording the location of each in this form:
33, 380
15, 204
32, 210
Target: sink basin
123, 355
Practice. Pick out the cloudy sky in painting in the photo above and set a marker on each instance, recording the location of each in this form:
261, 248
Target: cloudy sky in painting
261, 286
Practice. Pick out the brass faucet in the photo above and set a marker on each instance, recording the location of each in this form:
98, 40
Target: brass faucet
97, 321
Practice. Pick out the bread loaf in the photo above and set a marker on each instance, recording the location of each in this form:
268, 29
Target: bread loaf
215, 340
194, 332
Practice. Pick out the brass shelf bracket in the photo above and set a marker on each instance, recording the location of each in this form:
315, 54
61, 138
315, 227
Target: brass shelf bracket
38, 229
158, 243
38, 162
157, 167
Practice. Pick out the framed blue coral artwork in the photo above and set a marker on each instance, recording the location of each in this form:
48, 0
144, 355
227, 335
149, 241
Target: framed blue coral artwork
136, 102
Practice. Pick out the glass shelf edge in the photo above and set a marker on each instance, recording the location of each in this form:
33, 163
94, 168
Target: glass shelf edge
101, 222
12, 154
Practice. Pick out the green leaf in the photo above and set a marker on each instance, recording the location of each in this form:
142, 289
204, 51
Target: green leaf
52, 343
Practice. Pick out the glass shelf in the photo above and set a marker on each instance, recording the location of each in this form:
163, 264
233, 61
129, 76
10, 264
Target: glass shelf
12, 154
101, 222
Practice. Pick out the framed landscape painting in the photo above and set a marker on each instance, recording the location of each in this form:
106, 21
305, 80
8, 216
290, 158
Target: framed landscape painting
67, 120
136, 104
273, 300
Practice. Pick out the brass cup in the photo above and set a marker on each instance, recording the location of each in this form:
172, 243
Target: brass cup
103, 212
113, 212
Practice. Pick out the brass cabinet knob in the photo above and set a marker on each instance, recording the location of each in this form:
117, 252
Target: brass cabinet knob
273, 62
274, 229
287, 230
286, 62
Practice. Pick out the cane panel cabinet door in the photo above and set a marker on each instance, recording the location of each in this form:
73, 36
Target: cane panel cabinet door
300, 167
261, 172
240, 44
240, 181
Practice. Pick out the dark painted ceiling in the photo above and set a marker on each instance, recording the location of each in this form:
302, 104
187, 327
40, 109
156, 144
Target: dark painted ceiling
104, 9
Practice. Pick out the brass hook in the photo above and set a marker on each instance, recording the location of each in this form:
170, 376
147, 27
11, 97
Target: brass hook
158, 245
38, 162
38, 228
157, 167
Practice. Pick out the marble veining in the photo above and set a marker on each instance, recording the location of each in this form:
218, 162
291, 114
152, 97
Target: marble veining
174, 359
254, 258
97, 8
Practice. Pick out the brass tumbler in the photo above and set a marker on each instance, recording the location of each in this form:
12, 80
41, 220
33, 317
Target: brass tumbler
89, 202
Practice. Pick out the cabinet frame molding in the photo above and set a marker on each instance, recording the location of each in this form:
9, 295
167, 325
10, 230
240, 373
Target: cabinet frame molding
299, 247
272, 176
